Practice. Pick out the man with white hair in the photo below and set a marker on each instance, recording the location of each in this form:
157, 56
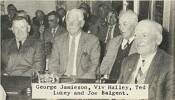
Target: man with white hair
120, 46
75, 53
150, 65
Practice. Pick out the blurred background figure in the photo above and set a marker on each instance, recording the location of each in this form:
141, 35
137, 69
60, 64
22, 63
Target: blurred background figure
90, 25
102, 27
6, 22
113, 26
53, 31
24, 14
39, 22
61, 14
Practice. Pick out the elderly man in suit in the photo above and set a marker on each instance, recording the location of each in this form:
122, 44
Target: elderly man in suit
54, 29
150, 65
120, 46
22, 55
76, 53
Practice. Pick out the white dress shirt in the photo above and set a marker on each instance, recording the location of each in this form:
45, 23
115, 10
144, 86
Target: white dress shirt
17, 42
77, 39
54, 30
125, 41
147, 62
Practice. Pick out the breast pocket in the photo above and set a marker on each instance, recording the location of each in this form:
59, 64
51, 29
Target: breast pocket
85, 62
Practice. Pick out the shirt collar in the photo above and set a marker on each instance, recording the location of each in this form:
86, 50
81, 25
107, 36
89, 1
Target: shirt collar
20, 40
129, 40
148, 58
77, 36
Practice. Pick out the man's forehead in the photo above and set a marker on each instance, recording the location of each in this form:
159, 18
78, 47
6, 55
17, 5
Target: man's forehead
51, 17
125, 20
19, 22
72, 16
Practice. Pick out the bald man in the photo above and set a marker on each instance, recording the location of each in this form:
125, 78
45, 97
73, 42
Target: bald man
120, 46
150, 65
75, 53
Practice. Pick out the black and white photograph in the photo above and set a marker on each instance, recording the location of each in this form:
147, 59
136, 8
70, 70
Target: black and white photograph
87, 49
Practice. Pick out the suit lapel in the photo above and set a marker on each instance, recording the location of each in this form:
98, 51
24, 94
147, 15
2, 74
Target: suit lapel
26, 45
153, 69
13, 47
65, 50
80, 49
131, 68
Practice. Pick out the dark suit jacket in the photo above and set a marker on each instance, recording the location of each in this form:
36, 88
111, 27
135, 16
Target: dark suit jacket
112, 51
160, 75
102, 29
24, 61
48, 37
36, 25
87, 55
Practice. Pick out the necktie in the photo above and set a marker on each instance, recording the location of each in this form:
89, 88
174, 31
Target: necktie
20, 45
109, 34
126, 45
53, 32
69, 69
140, 73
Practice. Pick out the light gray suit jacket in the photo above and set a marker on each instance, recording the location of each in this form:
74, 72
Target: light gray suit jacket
87, 56
160, 75
112, 51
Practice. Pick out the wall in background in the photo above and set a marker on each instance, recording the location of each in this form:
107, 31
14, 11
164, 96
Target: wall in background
30, 6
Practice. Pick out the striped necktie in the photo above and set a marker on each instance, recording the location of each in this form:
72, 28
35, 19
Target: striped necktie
140, 73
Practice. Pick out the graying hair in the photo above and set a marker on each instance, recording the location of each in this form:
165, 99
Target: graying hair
156, 27
131, 15
76, 12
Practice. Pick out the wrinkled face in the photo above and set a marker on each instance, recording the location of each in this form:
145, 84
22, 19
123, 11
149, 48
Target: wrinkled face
73, 24
111, 19
126, 27
52, 21
145, 41
20, 28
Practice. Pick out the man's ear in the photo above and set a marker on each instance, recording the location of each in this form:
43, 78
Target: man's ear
82, 23
58, 20
28, 28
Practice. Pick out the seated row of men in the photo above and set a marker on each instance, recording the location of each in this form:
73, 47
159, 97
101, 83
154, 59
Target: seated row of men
132, 57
